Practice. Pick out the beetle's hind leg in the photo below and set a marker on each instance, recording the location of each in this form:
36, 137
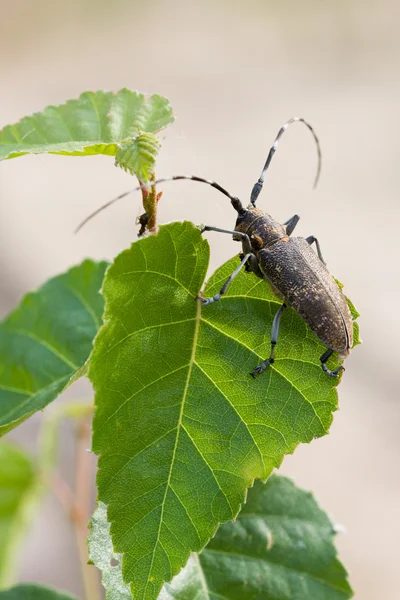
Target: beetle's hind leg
311, 239
274, 338
324, 359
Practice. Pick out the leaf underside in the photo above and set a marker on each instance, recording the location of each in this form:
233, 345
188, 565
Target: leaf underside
95, 123
46, 341
102, 555
279, 548
181, 429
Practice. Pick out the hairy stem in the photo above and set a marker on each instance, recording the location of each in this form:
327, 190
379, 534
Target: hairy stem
150, 200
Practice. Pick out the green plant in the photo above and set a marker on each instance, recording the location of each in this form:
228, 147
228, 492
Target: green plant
180, 430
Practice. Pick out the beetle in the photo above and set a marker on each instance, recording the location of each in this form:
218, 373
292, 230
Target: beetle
298, 275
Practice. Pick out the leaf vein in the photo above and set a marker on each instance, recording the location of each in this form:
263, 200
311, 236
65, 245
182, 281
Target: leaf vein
17, 409
148, 328
90, 96
8, 388
273, 367
208, 465
85, 304
46, 345
128, 462
300, 572
179, 425
159, 275
138, 392
235, 410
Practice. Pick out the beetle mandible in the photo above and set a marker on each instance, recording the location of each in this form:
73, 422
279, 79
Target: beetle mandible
298, 275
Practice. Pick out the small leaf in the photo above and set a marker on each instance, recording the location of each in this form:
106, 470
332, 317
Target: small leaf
102, 555
18, 483
181, 428
138, 156
32, 591
280, 548
46, 341
95, 123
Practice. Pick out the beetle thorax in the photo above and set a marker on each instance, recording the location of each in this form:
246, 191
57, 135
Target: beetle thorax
261, 228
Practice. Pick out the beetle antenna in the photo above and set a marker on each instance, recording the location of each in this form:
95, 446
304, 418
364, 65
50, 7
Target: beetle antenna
236, 203
259, 184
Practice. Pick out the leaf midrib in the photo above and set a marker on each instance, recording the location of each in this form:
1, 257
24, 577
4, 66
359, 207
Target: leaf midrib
178, 430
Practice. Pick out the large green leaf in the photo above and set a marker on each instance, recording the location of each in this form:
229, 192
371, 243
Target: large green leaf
95, 123
279, 548
46, 341
181, 428
32, 591
18, 484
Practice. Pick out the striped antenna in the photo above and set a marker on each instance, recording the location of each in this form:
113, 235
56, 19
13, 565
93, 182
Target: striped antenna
259, 184
235, 201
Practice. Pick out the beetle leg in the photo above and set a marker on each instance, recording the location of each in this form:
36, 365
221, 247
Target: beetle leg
252, 265
291, 224
274, 337
239, 235
324, 359
311, 239
206, 301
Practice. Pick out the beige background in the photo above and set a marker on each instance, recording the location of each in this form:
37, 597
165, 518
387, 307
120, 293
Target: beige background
234, 72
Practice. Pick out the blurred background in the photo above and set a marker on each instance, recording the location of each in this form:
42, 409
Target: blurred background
234, 73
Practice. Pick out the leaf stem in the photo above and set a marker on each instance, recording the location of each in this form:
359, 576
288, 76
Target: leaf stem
150, 200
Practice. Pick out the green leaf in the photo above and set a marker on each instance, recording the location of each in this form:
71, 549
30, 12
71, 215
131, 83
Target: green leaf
18, 484
32, 591
102, 555
279, 548
96, 123
46, 341
138, 157
181, 429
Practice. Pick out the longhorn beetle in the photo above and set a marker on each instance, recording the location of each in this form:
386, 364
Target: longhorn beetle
298, 275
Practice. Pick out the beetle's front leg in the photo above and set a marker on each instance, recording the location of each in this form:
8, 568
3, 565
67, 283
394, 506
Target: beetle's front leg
239, 235
252, 265
206, 301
